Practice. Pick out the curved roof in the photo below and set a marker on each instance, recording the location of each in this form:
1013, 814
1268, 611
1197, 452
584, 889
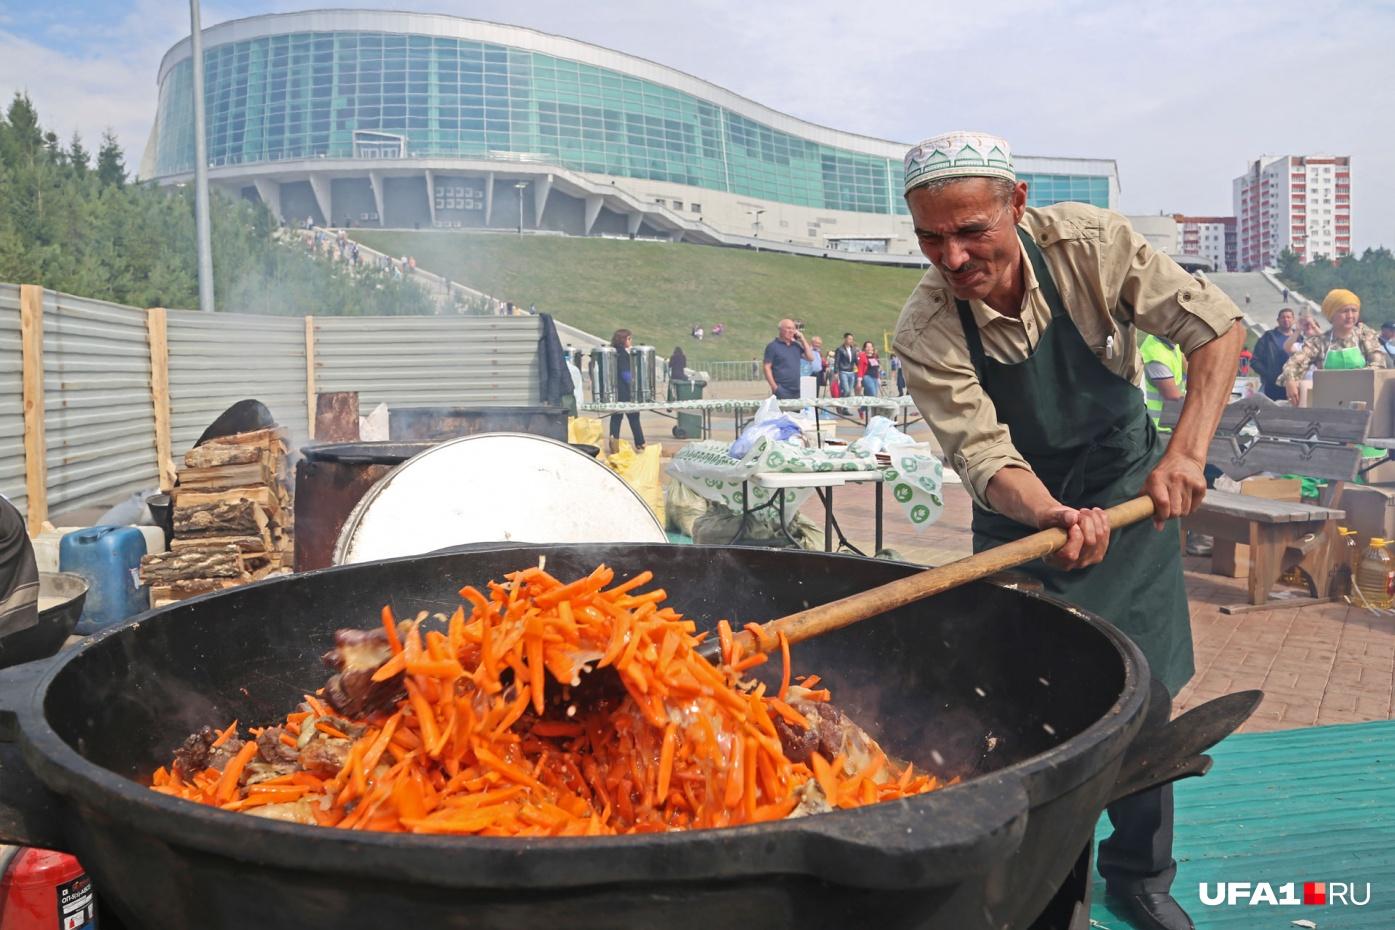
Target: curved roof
445, 26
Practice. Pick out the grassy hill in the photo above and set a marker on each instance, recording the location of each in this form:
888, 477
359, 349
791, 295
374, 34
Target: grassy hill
660, 290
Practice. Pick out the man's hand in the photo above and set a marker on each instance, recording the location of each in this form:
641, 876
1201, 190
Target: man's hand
1018, 494
1177, 486
1087, 536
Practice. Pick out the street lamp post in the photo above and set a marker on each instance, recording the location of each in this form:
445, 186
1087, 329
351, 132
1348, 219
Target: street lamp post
201, 222
520, 186
755, 226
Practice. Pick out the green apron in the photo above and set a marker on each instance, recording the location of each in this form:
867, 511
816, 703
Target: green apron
1086, 433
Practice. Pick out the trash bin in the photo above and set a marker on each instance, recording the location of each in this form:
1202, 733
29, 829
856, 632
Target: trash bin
689, 421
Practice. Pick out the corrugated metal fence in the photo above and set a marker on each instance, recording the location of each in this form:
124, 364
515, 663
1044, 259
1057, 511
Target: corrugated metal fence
103, 394
482, 361
11, 398
99, 419
215, 360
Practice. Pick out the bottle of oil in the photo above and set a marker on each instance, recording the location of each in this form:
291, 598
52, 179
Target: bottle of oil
1375, 577
1343, 576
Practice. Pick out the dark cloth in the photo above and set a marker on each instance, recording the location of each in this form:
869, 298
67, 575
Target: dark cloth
624, 392
1087, 435
677, 365
554, 381
19, 574
635, 429
784, 367
845, 359
1268, 363
1137, 857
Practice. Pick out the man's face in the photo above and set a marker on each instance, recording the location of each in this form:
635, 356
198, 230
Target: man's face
1285, 321
787, 330
817, 343
970, 234
848, 340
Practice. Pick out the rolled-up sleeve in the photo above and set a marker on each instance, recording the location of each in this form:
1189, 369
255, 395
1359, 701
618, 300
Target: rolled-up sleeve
947, 392
1156, 294
1307, 354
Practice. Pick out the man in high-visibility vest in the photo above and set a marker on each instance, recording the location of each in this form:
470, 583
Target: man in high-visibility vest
1164, 374
1164, 379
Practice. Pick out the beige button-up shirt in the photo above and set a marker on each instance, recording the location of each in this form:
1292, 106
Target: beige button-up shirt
1113, 285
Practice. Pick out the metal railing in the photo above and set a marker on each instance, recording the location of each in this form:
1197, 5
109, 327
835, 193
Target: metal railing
730, 371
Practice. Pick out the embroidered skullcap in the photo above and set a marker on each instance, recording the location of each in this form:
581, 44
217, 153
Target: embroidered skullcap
1336, 299
958, 154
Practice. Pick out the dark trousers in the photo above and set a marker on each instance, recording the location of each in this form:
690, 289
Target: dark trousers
634, 427
1137, 856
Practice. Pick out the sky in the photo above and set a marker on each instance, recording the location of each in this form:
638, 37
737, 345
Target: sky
1182, 93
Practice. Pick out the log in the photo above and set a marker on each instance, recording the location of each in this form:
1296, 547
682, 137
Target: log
211, 562
219, 518
225, 476
265, 437
249, 546
216, 455
262, 496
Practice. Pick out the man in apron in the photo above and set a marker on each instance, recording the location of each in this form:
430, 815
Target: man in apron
1020, 350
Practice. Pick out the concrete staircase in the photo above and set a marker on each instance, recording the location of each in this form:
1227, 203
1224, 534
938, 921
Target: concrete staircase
1265, 295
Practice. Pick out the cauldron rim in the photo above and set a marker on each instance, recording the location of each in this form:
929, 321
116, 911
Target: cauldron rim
87, 785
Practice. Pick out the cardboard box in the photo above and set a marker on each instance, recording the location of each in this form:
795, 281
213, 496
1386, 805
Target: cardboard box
1373, 387
1232, 559
1370, 511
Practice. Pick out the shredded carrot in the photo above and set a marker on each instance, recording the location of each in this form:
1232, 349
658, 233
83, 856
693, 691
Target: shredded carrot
226, 735
483, 740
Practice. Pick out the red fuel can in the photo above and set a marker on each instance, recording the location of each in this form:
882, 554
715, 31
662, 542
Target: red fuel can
46, 890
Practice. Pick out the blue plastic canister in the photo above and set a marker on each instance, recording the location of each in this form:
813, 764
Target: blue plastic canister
108, 557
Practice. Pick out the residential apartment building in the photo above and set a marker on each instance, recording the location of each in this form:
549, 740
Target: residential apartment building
1209, 237
1298, 202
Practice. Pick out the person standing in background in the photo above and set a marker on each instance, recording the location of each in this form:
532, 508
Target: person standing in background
1270, 355
784, 357
1387, 337
1348, 344
621, 342
869, 370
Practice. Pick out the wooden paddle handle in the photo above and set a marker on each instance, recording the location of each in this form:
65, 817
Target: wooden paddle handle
835, 615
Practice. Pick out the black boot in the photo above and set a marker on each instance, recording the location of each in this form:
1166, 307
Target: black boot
1151, 911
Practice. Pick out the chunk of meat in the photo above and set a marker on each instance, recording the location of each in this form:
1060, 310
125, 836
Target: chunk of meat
272, 749
324, 757
197, 752
356, 655
826, 735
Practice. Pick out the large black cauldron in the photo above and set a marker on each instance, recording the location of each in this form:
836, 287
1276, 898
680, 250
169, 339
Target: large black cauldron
1035, 703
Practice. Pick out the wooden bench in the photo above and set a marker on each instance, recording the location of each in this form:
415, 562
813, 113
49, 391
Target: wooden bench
1256, 436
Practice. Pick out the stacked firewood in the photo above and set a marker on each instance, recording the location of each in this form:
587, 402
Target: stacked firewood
232, 519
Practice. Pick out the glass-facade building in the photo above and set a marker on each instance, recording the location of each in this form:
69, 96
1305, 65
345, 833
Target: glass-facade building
393, 88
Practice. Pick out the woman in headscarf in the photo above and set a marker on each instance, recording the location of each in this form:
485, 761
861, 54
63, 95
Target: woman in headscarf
621, 341
1348, 344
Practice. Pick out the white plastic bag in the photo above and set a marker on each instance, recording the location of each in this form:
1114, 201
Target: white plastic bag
881, 434
770, 421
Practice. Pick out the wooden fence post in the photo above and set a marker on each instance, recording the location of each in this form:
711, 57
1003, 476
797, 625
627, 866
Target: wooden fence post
157, 326
31, 334
310, 374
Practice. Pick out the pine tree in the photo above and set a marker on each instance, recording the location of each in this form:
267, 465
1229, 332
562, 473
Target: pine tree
78, 156
111, 168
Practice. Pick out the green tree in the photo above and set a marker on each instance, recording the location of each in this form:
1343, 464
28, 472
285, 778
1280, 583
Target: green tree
90, 233
111, 167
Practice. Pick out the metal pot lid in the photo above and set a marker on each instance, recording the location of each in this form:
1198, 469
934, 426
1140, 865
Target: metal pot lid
494, 487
